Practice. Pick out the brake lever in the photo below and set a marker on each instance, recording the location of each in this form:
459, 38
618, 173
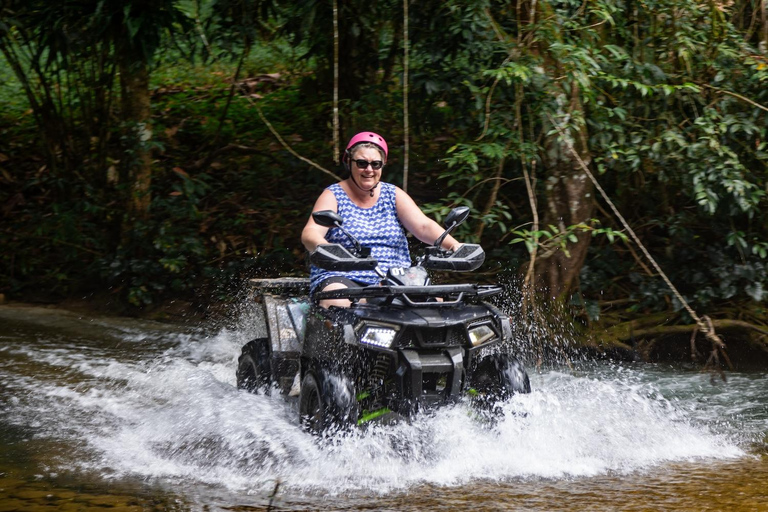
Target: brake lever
438, 252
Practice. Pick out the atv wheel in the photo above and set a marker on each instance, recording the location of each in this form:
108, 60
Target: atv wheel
312, 410
496, 378
327, 402
254, 372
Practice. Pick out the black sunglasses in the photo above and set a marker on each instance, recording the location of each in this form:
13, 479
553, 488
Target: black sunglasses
362, 164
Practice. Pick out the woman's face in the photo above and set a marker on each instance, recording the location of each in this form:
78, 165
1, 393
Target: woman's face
367, 178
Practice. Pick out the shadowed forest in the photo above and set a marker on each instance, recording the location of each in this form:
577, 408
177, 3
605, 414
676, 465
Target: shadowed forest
170, 150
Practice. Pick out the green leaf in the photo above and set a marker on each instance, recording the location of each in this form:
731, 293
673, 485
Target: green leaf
530, 245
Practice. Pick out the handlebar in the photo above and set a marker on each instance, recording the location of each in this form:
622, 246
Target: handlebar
337, 257
466, 258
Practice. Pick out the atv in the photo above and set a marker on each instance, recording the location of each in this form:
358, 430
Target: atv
402, 346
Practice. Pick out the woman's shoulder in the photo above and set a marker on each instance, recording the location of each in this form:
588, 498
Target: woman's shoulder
337, 190
390, 188
388, 191
334, 187
394, 188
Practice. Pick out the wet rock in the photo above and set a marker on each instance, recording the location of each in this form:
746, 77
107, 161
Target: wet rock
33, 495
8, 505
75, 506
6, 484
108, 500
83, 507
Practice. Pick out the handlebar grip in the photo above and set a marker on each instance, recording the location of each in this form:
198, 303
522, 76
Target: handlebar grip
337, 257
467, 257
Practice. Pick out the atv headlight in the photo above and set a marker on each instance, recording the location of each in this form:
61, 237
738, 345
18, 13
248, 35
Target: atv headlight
378, 336
480, 333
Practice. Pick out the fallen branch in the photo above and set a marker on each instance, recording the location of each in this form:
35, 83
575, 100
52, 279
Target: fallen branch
638, 328
616, 303
723, 324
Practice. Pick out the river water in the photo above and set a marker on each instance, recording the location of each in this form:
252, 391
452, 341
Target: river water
100, 413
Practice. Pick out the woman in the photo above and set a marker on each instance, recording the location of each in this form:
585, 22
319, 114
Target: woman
375, 212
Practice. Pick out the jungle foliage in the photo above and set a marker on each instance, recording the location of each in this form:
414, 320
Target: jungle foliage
666, 102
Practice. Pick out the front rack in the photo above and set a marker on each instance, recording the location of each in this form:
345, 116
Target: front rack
414, 296
282, 285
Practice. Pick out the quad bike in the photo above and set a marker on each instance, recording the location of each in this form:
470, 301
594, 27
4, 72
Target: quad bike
403, 346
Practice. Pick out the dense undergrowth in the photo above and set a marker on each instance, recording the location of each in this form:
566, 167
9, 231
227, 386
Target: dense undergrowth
684, 165
229, 200
240, 214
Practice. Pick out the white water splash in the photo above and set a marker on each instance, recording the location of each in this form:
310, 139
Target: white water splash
177, 415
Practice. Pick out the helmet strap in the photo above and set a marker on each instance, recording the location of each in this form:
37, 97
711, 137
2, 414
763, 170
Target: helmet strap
346, 160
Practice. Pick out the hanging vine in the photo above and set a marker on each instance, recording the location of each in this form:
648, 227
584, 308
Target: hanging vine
406, 145
336, 136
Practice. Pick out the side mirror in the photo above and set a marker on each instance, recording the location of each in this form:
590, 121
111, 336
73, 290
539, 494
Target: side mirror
456, 216
328, 218
331, 219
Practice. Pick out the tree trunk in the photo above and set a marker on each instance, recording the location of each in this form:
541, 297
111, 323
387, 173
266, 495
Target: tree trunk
134, 83
569, 194
568, 189
763, 45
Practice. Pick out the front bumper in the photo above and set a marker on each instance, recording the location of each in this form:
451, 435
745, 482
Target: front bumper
428, 378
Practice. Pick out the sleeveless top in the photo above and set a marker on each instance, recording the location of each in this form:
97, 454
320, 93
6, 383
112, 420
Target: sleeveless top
376, 227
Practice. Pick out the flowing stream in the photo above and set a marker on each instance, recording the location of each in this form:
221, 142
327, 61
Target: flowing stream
102, 413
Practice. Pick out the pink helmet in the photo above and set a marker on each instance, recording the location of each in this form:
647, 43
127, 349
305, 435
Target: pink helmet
371, 137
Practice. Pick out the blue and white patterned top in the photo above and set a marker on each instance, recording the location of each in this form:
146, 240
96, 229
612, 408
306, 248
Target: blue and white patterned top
376, 227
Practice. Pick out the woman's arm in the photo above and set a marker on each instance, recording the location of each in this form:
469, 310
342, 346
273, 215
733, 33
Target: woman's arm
422, 227
313, 233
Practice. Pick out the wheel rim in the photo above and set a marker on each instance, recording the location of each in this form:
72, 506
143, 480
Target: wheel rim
314, 412
247, 377
496, 379
252, 379
312, 409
